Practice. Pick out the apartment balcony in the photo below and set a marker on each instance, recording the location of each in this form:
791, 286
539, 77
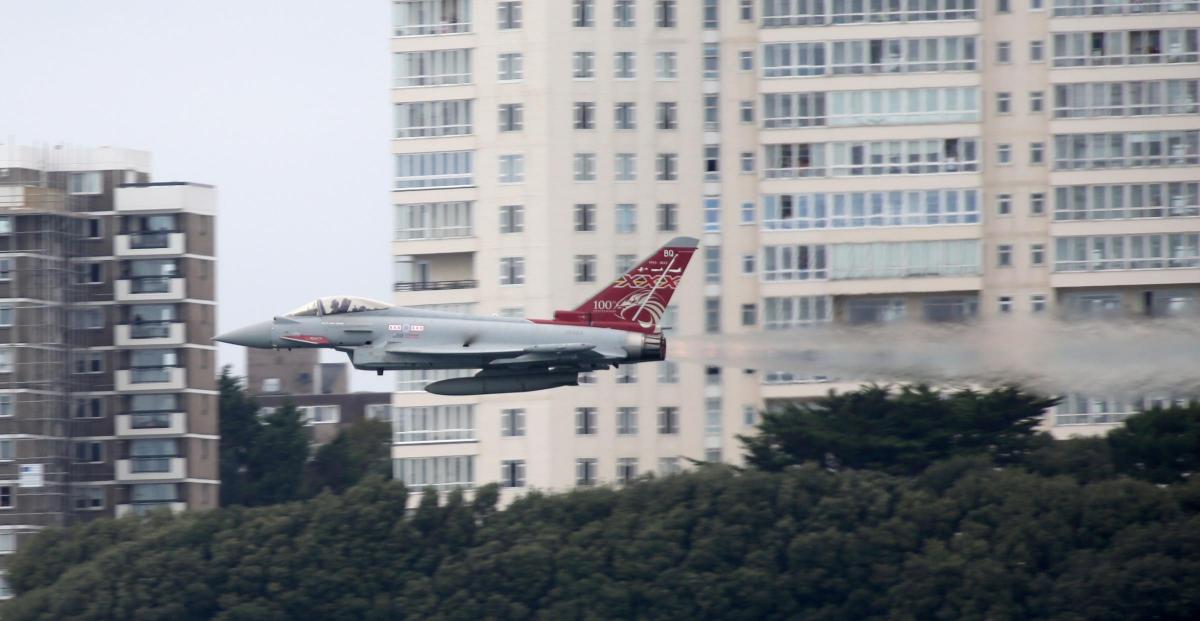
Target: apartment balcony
150, 288
168, 196
415, 244
151, 378
155, 333
150, 243
150, 468
142, 508
137, 424
436, 285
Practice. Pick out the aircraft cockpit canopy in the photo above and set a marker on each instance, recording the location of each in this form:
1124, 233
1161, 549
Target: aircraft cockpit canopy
337, 304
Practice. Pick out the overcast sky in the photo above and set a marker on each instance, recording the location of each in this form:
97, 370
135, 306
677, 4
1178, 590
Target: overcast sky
281, 105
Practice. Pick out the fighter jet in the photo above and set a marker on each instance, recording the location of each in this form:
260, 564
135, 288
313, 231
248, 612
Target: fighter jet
617, 326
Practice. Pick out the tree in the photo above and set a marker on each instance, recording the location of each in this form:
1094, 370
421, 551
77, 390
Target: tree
362, 449
1160, 445
276, 459
239, 428
898, 431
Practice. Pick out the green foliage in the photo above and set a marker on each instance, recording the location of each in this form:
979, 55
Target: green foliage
1160, 445
901, 432
962, 541
239, 428
276, 459
362, 449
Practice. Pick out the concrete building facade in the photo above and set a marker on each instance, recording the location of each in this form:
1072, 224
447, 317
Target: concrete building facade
841, 161
107, 306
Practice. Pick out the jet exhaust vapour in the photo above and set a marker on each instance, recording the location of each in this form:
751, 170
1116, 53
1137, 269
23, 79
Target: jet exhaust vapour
1159, 357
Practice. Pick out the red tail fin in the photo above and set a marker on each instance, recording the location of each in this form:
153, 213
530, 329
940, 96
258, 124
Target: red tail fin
638, 299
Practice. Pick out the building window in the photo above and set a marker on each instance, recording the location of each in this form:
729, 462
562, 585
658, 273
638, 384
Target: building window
747, 161
668, 420
512, 117
1003, 52
665, 13
712, 264
712, 163
625, 65
1003, 103
668, 372
585, 421
1137, 200
6, 316
626, 217
1003, 204
624, 13
431, 119
1003, 154
1037, 303
512, 473
512, 168
413, 221
509, 15
512, 270
6, 403
1037, 203
1004, 305
666, 167
624, 264
585, 218
624, 115
438, 473
748, 263
746, 60
749, 314
6, 269
1037, 51
746, 112
950, 309
1126, 47
584, 66
1002, 6
1037, 254
712, 416
584, 14
585, 115
712, 315
1004, 255
627, 469
1126, 150
446, 169
712, 114
712, 61
667, 219
788, 313
91, 273
665, 116
585, 268
431, 68
585, 471
6, 497
93, 362
440, 423
585, 166
627, 421
85, 183
626, 167
512, 218
8, 449
89, 452
666, 65
1036, 104
627, 374
89, 498
1127, 252
511, 66
1037, 153
430, 17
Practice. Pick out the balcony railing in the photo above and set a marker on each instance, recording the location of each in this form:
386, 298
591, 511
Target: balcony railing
147, 375
151, 463
433, 435
436, 285
149, 239
150, 284
150, 330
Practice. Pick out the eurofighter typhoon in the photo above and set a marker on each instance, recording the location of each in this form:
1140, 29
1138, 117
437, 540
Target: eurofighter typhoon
617, 326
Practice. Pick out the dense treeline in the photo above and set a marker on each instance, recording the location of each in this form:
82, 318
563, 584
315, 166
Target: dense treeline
1045, 530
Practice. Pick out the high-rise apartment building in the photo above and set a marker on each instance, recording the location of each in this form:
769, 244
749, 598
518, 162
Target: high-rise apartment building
107, 305
841, 160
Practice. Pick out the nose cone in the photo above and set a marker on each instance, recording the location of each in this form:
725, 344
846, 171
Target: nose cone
256, 335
